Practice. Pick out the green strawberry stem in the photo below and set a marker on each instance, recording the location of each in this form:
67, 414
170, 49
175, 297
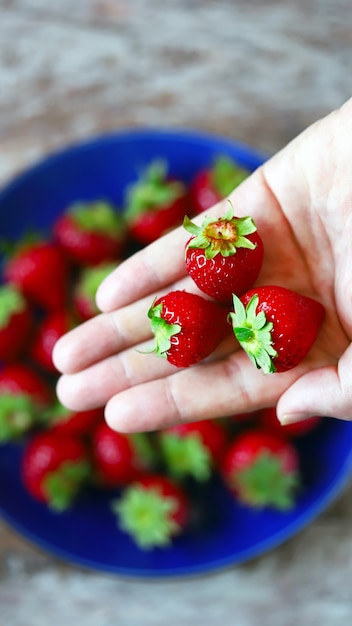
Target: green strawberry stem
266, 483
253, 332
226, 175
186, 456
163, 331
152, 190
146, 515
12, 302
17, 415
62, 485
221, 235
98, 217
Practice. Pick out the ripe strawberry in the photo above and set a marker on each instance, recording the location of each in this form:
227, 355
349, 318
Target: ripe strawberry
224, 255
86, 287
268, 419
152, 511
60, 419
24, 395
262, 469
187, 328
276, 326
50, 329
216, 182
154, 204
119, 459
91, 233
15, 323
39, 270
54, 468
193, 449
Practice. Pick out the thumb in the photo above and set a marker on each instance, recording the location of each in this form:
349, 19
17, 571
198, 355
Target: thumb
325, 391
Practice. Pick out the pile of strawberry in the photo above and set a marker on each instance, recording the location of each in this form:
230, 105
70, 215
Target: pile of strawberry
49, 286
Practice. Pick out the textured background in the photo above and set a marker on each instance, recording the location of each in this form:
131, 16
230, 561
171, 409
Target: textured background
256, 71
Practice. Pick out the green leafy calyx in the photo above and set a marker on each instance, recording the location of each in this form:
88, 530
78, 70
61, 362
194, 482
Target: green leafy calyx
186, 456
226, 175
147, 516
221, 235
62, 485
153, 190
253, 332
12, 302
97, 217
17, 415
265, 483
162, 330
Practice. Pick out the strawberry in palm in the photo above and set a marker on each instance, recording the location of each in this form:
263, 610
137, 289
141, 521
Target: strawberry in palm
154, 204
224, 255
152, 511
262, 470
276, 326
16, 322
187, 327
91, 233
214, 183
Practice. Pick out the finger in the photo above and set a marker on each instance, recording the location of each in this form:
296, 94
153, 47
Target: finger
109, 333
93, 386
207, 391
144, 272
101, 337
324, 391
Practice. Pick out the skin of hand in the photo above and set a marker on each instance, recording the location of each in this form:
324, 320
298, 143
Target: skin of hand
301, 202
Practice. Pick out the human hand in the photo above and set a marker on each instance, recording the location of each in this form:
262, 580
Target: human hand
301, 202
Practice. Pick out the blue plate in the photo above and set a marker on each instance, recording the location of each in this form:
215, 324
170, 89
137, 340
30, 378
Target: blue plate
225, 533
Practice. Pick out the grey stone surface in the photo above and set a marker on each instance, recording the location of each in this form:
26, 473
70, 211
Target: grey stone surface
256, 71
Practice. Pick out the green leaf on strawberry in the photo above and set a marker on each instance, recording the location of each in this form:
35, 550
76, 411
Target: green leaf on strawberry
266, 484
253, 332
61, 485
17, 415
12, 302
152, 190
226, 175
221, 235
186, 456
163, 331
147, 515
97, 217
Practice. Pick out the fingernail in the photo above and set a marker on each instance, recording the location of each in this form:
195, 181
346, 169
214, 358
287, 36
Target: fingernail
292, 418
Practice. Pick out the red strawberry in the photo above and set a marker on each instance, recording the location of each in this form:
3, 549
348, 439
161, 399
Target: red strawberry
61, 419
86, 287
54, 468
187, 328
193, 449
119, 459
276, 326
268, 419
50, 329
224, 255
39, 270
154, 204
262, 469
15, 323
216, 182
24, 395
91, 233
152, 511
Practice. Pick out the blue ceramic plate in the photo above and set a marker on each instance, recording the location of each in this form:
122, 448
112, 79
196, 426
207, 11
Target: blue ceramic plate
87, 535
